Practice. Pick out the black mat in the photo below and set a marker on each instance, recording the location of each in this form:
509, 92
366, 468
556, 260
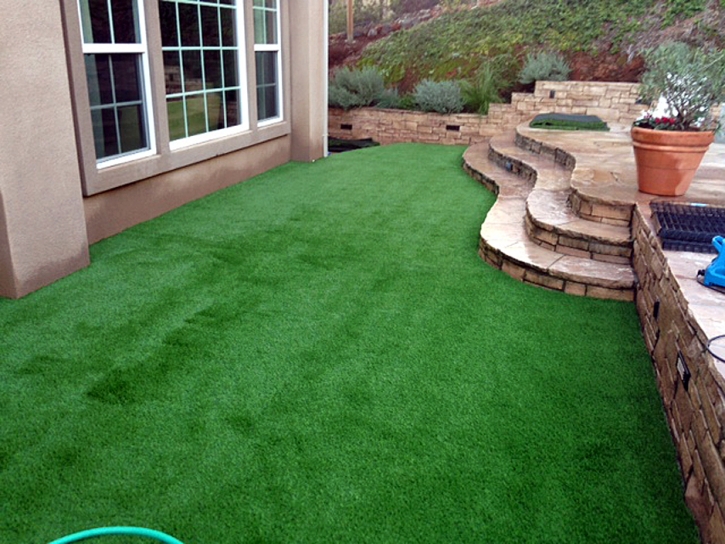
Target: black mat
688, 227
568, 121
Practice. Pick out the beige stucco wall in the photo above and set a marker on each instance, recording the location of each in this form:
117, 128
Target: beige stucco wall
113, 211
42, 230
308, 60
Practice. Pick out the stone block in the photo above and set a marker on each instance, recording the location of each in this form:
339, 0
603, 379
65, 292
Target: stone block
513, 270
610, 294
574, 288
544, 280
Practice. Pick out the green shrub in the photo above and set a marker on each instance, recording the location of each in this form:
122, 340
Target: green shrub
486, 87
544, 66
356, 88
439, 96
389, 99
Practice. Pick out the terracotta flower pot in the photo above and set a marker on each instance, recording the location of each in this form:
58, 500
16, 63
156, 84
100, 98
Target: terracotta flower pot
667, 160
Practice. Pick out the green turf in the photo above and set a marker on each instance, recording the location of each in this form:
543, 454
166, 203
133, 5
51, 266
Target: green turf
318, 355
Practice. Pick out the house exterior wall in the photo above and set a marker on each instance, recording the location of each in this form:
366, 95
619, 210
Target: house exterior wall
42, 224
54, 201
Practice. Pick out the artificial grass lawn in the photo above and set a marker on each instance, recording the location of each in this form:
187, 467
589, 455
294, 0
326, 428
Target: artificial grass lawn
318, 355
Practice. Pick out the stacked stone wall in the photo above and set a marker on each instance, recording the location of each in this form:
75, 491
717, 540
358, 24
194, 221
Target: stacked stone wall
613, 102
691, 386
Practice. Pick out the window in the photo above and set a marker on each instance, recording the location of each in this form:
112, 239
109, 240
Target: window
115, 55
202, 65
155, 108
267, 59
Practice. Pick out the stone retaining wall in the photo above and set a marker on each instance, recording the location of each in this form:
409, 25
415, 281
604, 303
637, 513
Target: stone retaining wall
694, 403
613, 102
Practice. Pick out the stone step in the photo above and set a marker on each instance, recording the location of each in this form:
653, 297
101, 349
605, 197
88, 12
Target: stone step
599, 193
504, 240
551, 223
550, 220
541, 169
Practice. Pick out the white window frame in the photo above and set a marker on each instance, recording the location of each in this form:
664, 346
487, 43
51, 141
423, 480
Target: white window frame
241, 46
141, 49
276, 48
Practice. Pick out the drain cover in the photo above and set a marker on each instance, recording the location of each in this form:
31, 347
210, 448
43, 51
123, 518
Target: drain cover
688, 227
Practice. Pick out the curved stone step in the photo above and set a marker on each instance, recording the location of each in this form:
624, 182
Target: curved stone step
504, 240
598, 192
504, 243
551, 223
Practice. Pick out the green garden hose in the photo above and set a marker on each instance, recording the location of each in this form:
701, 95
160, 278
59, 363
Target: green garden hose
108, 531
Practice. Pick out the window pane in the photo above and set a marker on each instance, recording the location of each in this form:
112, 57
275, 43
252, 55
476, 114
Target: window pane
215, 110
210, 26
212, 69
231, 99
230, 69
175, 111
192, 71
125, 29
98, 73
228, 30
95, 21
189, 24
266, 63
265, 26
266, 67
195, 115
167, 16
105, 135
126, 77
172, 72
131, 128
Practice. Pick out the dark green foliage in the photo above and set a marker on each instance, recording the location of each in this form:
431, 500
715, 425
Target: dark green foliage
682, 9
352, 88
487, 84
439, 96
389, 99
544, 66
318, 355
454, 44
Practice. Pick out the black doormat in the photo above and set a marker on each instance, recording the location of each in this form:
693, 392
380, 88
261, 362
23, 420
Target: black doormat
688, 227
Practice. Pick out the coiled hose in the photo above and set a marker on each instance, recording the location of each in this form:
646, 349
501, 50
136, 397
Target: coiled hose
108, 531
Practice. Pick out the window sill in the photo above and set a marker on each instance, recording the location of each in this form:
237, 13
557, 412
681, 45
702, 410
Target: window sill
111, 177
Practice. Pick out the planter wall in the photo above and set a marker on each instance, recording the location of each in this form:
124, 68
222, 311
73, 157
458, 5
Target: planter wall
694, 405
613, 102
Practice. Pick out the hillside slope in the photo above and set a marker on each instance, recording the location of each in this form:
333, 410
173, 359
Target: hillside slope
602, 39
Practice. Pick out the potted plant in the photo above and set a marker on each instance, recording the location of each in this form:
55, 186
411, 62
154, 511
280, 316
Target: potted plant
690, 85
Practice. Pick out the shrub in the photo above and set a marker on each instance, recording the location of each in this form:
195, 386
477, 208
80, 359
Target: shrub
486, 87
356, 88
544, 66
439, 96
691, 80
389, 99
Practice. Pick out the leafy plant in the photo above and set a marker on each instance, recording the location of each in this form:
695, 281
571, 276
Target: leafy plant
439, 96
389, 99
356, 88
544, 66
690, 80
486, 86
